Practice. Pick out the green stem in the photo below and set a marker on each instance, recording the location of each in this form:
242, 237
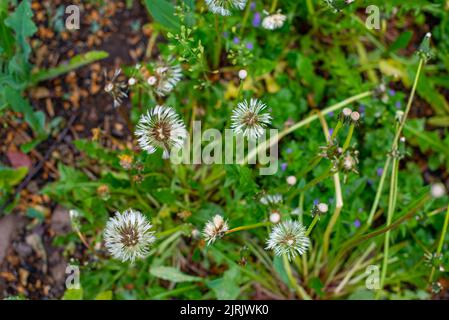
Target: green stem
273, 6
440, 244
312, 225
305, 122
249, 227
409, 105
349, 137
379, 191
337, 128
245, 19
170, 231
299, 290
391, 210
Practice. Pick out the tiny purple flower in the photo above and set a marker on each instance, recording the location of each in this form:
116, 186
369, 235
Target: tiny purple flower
225, 34
330, 114
236, 40
252, 5
391, 92
257, 18
315, 202
398, 105
283, 166
289, 150
380, 172
249, 46
357, 223
362, 109
331, 131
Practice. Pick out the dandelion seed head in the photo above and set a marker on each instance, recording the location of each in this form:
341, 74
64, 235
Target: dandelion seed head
274, 21
115, 88
167, 75
215, 229
224, 7
289, 238
248, 119
161, 128
128, 236
271, 199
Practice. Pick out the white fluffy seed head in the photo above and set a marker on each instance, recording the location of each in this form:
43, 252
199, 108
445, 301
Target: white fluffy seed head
355, 116
438, 190
347, 112
167, 74
161, 128
271, 199
224, 7
215, 229
128, 236
249, 120
289, 238
274, 21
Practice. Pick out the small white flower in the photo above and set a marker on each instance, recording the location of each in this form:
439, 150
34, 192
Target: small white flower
438, 190
132, 81
289, 238
223, 7
161, 128
291, 180
274, 21
216, 228
323, 208
128, 237
243, 74
275, 217
248, 120
347, 112
271, 199
355, 116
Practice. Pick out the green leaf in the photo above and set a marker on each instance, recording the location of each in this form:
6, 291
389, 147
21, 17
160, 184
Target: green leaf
172, 274
402, 41
73, 294
22, 23
106, 295
10, 177
36, 119
226, 288
74, 63
163, 12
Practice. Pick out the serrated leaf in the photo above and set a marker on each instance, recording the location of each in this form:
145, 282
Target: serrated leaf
172, 274
22, 23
